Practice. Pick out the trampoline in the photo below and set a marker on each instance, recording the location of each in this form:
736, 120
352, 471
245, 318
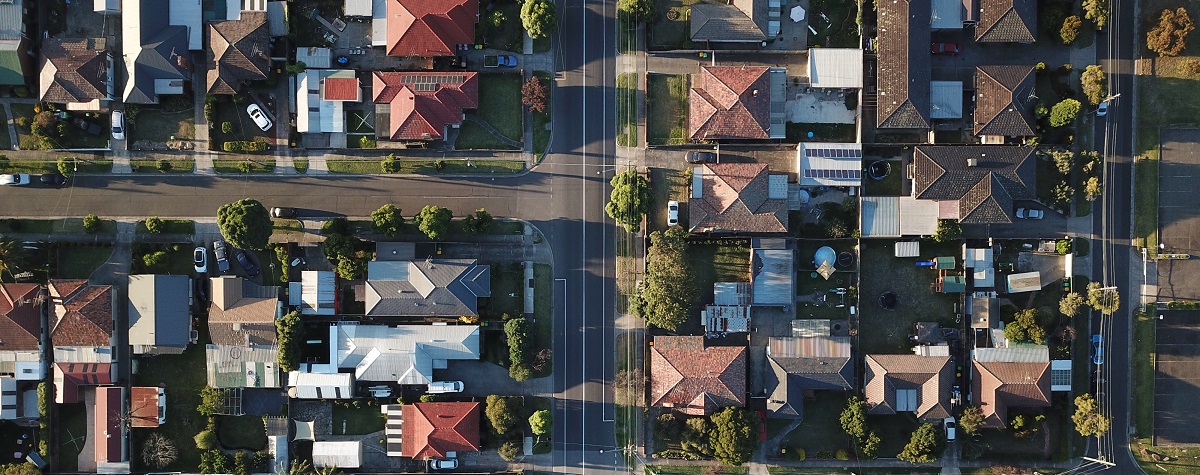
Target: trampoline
879, 170
889, 300
845, 259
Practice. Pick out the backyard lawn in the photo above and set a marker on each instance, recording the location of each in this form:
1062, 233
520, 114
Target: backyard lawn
820, 435
627, 92
71, 421
890, 185
242, 432
798, 132
886, 331
711, 263
78, 262
183, 390
666, 104
157, 125
356, 420
183, 165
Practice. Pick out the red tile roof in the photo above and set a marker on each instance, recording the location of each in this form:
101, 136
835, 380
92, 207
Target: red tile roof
428, 108
82, 313
108, 434
68, 377
20, 317
731, 102
1000, 385
429, 27
143, 406
433, 428
694, 379
340, 89
735, 197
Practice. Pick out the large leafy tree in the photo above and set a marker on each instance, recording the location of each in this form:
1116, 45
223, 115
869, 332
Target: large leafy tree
245, 224
539, 18
535, 94
630, 199
387, 220
635, 11
1097, 11
503, 413
1104, 300
971, 420
854, 418
434, 221
541, 422
1070, 29
1169, 37
921, 445
670, 289
1064, 112
948, 230
1024, 327
734, 435
288, 334
1094, 83
1087, 418
1070, 304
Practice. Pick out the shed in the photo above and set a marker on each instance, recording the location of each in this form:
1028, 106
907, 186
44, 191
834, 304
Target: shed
947, 15
340, 454
1024, 282
1060, 375
952, 284
837, 68
943, 262
726, 318
908, 249
945, 99
313, 57
771, 277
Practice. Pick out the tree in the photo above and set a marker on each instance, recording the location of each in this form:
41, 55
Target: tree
1070, 29
734, 436
206, 439
295, 68
1096, 11
869, 448
541, 422
387, 220
339, 246
434, 221
1064, 112
539, 18
91, 223
245, 224
1024, 327
1169, 37
154, 225
210, 401
1064, 160
214, 461
289, 334
241, 463
66, 167
1094, 83
20, 469
1070, 303
1104, 300
12, 255
159, 451
478, 222
509, 450
1092, 188
695, 439
948, 230
921, 445
155, 260
351, 268
503, 413
389, 164
630, 199
1062, 193
635, 11
971, 420
516, 330
669, 287
534, 94
1087, 418
854, 418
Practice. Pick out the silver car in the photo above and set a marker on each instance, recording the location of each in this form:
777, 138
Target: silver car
260, 118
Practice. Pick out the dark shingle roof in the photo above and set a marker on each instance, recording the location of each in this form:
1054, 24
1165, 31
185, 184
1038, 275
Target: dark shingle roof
238, 52
985, 190
788, 378
719, 22
438, 287
1003, 100
1006, 21
929, 376
163, 54
903, 69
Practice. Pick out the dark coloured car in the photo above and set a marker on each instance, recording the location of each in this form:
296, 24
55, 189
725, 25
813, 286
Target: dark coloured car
201, 286
53, 179
701, 157
219, 250
244, 261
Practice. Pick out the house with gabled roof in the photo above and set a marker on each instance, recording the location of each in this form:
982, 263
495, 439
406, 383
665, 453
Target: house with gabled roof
81, 331
974, 184
1004, 101
430, 430
77, 73
155, 44
694, 378
1007, 21
404, 354
21, 332
428, 288
1015, 376
414, 105
909, 383
741, 22
242, 313
160, 317
737, 103
903, 65
430, 28
737, 198
814, 358
238, 52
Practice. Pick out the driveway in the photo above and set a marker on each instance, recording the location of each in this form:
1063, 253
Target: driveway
483, 378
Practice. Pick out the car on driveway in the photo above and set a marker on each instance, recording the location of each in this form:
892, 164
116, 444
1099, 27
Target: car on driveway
701, 157
260, 118
14, 179
220, 249
672, 213
1097, 349
1030, 213
950, 428
244, 261
118, 125
442, 387
53, 179
945, 48
443, 464
200, 260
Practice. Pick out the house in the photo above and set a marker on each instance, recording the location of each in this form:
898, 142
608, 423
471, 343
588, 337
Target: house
737, 103
242, 313
405, 354
81, 331
428, 288
835, 68
160, 320
696, 379
730, 198
903, 67
315, 294
238, 51
242, 366
303, 385
830, 164
147, 406
321, 98
339, 454
21, 327
425, 28
1013, 377
155, 44
421, 105
109, 434
1004, 100
815, 358
15, 44
909, 383
974, 184
741, 23
1007, 21
434, 429
77, 73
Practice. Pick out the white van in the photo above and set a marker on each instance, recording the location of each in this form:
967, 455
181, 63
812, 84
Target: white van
441, 387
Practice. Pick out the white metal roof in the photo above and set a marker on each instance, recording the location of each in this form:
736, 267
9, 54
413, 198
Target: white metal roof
908, 249
772, 277
321, 386
918, 217
313, 114
835, 67
829, 164
1014, 354
947, 15
313, 57
340, 454
880, 216
945, 99
357, 7
318, 292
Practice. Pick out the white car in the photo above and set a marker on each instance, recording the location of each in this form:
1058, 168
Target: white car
118, 125
200, 260
14, 179
950, 427
440, 387
672, 213
1102, 109
443, 464
260, 119
1023, 213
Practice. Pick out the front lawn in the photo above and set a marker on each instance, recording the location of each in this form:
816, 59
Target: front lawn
183, 165
472, 136
177, 259
894, 432
79, 261
183, 375
668, 184
666, 109
1145, 199
54, 226
1143, 356
356, 420
429, 167
159, 126
508, 292
886, 331
821, 434
500, 104
1161, 83
262, 165
242, 432
241, 126
627, 109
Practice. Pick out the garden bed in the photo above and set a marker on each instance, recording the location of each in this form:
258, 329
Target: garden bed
183, 165
224, 165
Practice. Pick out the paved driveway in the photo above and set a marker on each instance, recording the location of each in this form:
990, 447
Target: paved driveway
483, 378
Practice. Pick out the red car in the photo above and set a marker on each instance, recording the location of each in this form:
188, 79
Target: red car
945, 48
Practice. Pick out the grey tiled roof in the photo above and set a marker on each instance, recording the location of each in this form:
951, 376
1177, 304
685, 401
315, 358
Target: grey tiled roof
719, 22
159, 313
1007, 21
1003, 100
163, 54
903, 69
438, 287
986, 190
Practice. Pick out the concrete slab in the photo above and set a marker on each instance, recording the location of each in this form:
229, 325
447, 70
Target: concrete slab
1177, 378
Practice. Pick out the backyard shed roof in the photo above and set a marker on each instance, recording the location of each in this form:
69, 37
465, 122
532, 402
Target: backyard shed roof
726, 318
835, 67
908, 249
357, 7
945, 99
321, 386
771, 276
314, 58
1024, 282
339, 454
880, 216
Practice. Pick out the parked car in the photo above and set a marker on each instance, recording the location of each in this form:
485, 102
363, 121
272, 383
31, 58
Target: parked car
14, 179
1097, 349
201, 286
443, 464
945, 48
950, 427
200, 260
53, 179
1030, 213
219, 250
672, 213
701, 157
1102, 109
503, 60
247, 265
260, 118
283, 212
118, 125
439, 387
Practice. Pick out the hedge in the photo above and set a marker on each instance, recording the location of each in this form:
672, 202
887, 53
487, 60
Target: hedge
244, 146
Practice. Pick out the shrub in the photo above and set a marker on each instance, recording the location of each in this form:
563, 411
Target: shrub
1064, 112
535, 94
91, 224
390, 164
154, 225
206, 439
66, 166
509, 450
366, 141
227, 127
23, 122
244, 146
1070, 29
164, 166
1041, 66
842, 455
